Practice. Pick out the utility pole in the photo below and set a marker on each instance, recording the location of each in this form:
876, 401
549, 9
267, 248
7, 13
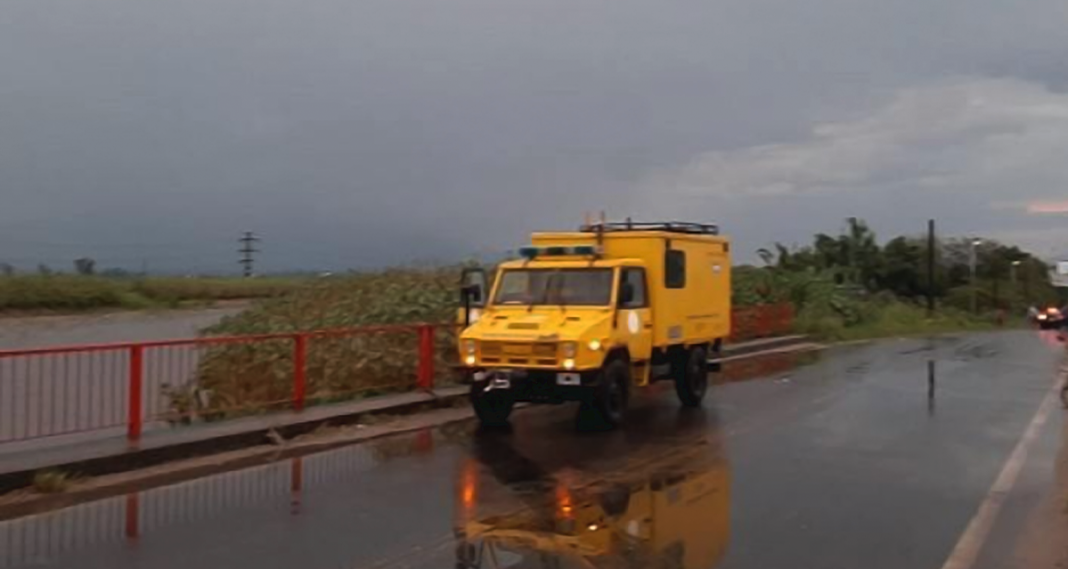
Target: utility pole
971, 265
931, 268
1027, 283
247, 250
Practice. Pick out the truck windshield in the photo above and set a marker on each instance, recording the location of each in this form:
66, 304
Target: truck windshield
564, 287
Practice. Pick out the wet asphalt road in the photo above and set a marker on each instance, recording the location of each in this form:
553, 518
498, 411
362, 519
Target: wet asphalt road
843, 462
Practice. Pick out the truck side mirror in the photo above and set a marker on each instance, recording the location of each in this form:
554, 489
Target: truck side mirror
626, 294
473, 287
472, 294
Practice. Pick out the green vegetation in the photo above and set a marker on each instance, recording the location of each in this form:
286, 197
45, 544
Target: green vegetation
237, 379
51, 481
394, 296
74, 292
848, 286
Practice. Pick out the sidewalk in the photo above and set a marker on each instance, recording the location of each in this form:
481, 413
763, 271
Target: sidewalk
99, 456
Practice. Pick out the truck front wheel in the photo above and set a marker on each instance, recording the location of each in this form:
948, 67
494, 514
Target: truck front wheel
691, 382
610, 399
492, 407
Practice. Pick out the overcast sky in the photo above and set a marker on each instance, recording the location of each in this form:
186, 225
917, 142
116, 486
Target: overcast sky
368, 132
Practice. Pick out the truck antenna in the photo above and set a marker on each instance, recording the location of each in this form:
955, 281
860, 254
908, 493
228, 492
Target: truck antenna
600, 236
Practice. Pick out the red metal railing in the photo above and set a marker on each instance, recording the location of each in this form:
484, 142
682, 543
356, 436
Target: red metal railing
51, 392
132, 387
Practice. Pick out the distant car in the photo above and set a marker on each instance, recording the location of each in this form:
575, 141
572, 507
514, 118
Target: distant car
1050, 318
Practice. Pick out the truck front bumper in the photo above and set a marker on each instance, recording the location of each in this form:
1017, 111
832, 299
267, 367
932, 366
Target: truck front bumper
536, 385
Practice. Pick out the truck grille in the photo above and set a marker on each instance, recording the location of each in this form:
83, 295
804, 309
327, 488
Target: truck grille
520, 353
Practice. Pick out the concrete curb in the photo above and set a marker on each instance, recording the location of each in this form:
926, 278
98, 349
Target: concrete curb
114, 456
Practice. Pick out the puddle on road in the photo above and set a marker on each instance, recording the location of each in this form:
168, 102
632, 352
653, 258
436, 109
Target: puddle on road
665, 504
656, 493
38, 540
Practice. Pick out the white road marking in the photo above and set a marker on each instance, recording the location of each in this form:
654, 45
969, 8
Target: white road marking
971, 541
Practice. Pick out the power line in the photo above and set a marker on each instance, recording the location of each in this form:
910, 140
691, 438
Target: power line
247, 251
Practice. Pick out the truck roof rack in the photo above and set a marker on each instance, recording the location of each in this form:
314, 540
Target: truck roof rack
668, 226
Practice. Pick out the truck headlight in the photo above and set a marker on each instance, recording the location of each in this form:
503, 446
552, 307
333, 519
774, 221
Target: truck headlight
469, 347
569, 349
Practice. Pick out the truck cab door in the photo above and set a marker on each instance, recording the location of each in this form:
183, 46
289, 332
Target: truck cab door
474, 288
635, 319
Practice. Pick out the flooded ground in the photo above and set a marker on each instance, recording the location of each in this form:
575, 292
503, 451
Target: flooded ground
64, 395
47, 331
872, 456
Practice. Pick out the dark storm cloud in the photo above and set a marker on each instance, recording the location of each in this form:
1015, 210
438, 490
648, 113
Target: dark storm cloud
357, 133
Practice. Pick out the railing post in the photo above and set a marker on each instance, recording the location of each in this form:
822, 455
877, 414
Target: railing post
135, 420
764, 321
426, 357
296, 484
133, 515
300, 370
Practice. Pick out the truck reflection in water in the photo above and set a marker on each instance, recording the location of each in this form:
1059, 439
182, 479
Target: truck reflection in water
666, 506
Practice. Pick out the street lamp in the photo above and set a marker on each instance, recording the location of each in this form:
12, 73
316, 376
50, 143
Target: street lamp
971, 265
1014, 293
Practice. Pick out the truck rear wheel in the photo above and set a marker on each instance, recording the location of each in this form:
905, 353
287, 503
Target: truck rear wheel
492, 407
691, 381
610, 398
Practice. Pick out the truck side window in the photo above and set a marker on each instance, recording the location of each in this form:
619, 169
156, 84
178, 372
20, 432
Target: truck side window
636, 279
674, 269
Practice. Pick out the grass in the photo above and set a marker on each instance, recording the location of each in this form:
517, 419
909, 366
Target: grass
214, 288
882, 319
72, 293
240, 379
52, 481
831, 312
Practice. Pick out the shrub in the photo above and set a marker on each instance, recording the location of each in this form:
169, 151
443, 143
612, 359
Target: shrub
259, 375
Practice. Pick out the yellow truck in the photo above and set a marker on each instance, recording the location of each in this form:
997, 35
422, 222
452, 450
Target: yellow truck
592, 314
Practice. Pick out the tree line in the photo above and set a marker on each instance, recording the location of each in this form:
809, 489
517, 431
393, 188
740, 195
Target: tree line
1006, 277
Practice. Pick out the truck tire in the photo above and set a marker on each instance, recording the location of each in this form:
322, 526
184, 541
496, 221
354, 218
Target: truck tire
610, 398
691, 382
492, 408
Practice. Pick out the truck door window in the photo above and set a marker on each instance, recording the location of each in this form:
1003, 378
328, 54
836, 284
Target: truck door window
635, 279
674, 269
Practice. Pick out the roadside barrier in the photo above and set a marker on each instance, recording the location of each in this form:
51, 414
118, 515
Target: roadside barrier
86, 392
